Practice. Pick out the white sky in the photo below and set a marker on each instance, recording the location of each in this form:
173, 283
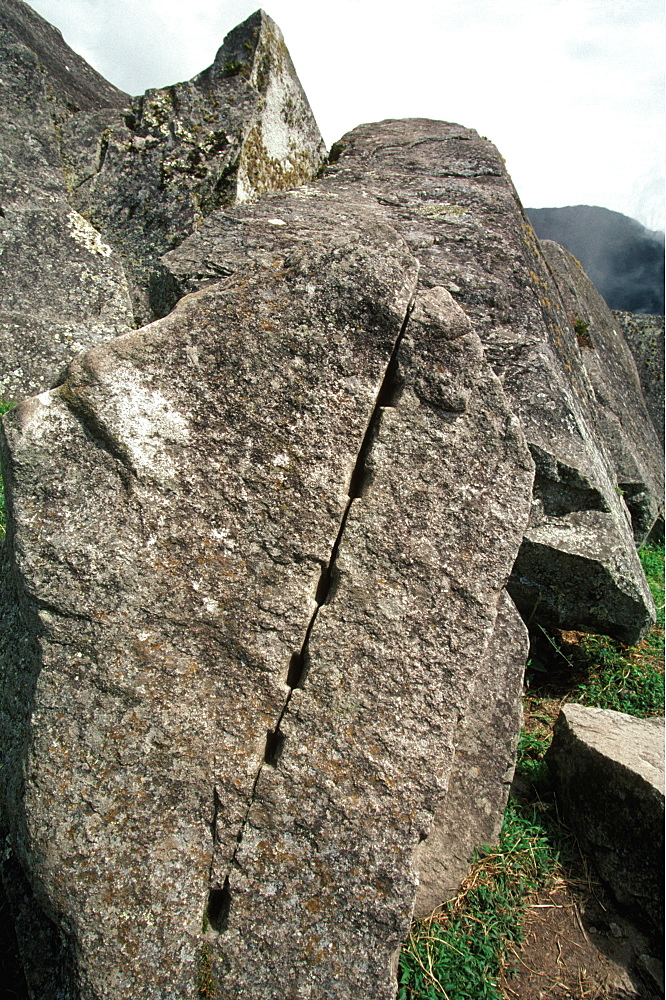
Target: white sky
571, 91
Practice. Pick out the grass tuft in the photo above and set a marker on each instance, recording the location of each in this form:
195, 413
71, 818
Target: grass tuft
602, 672
459, 953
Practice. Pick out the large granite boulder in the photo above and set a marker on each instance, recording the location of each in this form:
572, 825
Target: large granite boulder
63, 288
644, 335
147, 176
96, 185
256, 551
71, 84
447, 192
608, 772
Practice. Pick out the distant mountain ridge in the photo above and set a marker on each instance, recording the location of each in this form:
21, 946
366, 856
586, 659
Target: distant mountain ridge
623, 258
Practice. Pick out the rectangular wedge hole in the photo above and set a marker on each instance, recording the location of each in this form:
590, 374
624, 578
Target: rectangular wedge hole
219, 906
274, 745
296, 669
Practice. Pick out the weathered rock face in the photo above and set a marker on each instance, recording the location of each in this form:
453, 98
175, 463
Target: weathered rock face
97, 185
622, 421
644, 335
147, 177
608, 770
63, 288
447, 192
471, 813
258, 549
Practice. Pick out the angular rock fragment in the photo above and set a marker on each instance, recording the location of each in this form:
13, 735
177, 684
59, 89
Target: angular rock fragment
446, 190
147, 176
257, 551
608, 770
96, 185
622, 421
63, 288
571, 574
470, 814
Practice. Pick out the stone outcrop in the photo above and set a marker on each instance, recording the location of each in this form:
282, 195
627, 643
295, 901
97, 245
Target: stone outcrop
97, 185
260, 668
608, 771
644, 335
447, 192
240, 659
147, 177
70, 83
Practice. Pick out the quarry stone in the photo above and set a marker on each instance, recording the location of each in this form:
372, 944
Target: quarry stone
570, 574
70, 83
256, 552
96, 185
446, 191
148, 175
470, 813
608, 770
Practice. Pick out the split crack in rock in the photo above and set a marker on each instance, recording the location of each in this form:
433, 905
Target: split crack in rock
219, 900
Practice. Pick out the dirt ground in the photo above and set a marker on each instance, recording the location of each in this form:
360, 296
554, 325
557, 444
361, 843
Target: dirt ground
581, 950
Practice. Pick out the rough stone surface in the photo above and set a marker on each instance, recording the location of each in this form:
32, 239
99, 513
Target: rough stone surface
645, 336
257, 550
621, 417
63, 289
470, 814
608, 770
447, 192
146, 177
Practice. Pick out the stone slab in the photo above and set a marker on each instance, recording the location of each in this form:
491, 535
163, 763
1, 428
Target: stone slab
608, 770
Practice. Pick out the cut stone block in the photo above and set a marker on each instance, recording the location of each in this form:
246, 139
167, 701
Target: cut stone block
608, 770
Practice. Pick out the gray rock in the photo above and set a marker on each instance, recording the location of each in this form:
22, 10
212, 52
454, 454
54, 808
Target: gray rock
63, 288
447, 192
146, 177
645, 336
621, 417
257, 551
470, 814
96, 185
608, 770
567, 573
